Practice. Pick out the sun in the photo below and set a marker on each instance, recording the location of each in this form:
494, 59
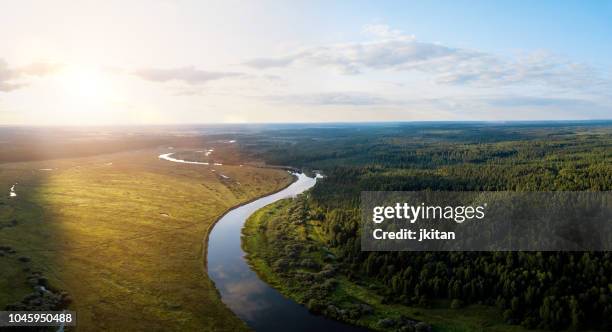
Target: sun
85, 85
85, 94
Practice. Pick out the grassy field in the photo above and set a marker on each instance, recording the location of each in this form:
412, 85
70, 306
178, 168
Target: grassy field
270, 231
122, 234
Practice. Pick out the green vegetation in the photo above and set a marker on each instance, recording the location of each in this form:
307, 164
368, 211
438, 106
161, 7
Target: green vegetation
493, 290
286, 248
119, 238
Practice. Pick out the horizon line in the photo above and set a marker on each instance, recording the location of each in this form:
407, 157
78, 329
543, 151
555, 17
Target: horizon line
184, 124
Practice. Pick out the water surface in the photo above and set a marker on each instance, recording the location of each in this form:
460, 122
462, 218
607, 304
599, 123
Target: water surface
262, 307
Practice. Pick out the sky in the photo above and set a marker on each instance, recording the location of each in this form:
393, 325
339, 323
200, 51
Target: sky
198, 62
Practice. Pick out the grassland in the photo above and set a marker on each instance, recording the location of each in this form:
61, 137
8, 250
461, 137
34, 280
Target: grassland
122, 234
269, 233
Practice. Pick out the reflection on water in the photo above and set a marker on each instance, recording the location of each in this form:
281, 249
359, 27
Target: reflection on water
167, 156
262, 307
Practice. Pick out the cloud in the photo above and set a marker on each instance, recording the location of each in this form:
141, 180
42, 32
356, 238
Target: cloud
531, 101
481, 106
392, 50
7, 75
353, 58
263, 63
39, 69
539, 68
18, 77
332, 98
189, 75
550, 106
384, 31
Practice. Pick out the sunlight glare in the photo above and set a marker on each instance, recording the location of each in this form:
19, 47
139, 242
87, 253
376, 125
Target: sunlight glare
87, 95
85, 85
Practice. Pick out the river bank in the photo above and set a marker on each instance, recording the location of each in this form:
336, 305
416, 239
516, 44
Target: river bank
285, 246
262, 307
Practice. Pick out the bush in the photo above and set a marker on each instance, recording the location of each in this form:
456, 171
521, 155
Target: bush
315, 306
456, 304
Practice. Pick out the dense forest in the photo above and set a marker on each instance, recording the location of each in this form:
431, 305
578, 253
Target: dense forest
544, 290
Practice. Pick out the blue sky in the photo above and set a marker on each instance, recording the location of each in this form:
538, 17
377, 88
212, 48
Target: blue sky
579, 29
164, 61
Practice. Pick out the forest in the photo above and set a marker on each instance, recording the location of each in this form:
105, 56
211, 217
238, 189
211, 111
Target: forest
533, 290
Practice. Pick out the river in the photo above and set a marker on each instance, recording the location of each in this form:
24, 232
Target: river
262, 307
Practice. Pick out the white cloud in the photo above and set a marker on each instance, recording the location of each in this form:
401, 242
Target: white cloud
483, 106
263, 63
393, 51
353, 58
189, 75
19, 77
383, 31
332, 98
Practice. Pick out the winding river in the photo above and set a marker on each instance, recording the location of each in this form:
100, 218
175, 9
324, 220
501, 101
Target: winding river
262, 307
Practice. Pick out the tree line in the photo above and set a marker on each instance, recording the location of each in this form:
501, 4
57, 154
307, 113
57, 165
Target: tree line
548, 290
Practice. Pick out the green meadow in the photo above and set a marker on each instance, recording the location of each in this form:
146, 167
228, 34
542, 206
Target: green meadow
120, 237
